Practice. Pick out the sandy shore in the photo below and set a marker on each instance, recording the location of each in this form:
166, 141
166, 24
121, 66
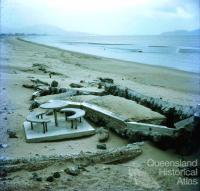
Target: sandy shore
17, 59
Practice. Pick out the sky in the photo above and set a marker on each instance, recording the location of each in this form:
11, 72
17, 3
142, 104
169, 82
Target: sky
107, 17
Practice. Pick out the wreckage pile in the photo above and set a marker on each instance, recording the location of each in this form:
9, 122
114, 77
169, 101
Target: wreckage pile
172, 135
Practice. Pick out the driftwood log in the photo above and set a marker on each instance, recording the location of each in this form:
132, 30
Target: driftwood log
31, 86
37, 81
115, 155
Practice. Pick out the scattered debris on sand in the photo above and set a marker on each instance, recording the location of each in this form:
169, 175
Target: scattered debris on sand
103, 134
11, 134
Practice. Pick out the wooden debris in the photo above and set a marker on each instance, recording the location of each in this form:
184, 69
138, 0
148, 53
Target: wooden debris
108, 156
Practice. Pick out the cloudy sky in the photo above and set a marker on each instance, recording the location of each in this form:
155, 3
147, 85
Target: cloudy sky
111, 17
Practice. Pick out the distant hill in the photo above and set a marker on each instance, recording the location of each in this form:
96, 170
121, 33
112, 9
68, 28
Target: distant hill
43, 30
182, 32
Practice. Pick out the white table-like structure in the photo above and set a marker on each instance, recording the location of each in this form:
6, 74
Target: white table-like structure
55, 105
76, 114
64, 131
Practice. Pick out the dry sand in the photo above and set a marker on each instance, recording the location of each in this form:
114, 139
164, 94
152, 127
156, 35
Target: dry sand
127, 108
17, 59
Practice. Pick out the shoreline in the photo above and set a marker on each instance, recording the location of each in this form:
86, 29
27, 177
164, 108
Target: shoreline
156, 81
102, 57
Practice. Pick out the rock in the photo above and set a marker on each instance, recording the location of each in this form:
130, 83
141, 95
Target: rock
74, 85
54, 84
34, 176
99, 85
34, 105
39, 179
3, 173
44, 92
53, 90
103, 134
62, 90
11, 134
101, 146
50, 179
74, 170
107, 80
42, 69
56, 175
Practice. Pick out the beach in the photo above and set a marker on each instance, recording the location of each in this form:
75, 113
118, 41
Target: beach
18, 58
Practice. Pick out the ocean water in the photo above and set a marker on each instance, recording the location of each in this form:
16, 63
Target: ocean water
179, 52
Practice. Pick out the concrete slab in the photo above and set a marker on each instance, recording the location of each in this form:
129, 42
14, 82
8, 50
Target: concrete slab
91, 90
63, 131
145, 127
103, 111
183, 123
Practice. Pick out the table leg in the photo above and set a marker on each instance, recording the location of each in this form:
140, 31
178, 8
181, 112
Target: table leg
31, 125
44, 129
55, 116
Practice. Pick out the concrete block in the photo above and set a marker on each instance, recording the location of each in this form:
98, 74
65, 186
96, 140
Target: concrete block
63, 131
184, 123
144, 127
